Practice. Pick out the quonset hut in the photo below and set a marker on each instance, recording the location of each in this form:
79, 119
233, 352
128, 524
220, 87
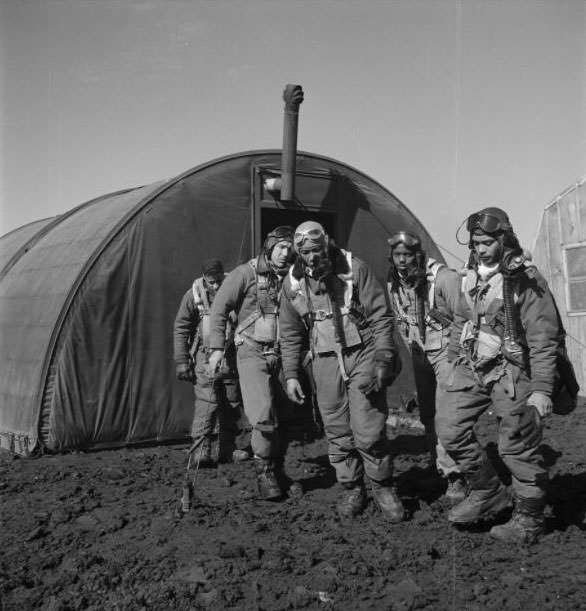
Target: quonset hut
88, 298
559, 252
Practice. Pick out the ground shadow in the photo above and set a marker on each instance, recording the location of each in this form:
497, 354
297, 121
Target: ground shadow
408, 445
325, 477
566, 496
550, 456
419, 483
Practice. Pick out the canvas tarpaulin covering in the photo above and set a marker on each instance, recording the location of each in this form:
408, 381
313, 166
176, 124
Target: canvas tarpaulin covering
87, 308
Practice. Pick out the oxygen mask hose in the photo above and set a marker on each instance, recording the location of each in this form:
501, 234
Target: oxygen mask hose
512, 348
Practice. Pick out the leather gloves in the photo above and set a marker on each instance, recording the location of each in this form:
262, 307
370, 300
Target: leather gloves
385, 371
185, 372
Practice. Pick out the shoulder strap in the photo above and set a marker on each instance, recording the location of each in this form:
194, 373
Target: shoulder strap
200, 295
348, 279
468, 283
433, 268
296, 293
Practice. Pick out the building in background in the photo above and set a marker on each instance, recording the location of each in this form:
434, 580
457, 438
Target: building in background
559, 251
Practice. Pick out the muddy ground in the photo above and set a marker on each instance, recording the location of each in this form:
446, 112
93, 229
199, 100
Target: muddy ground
101, 531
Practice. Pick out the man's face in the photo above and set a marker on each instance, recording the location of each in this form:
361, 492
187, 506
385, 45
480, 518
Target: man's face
487, 248
213, 282
404, 258
281, 254
311, 255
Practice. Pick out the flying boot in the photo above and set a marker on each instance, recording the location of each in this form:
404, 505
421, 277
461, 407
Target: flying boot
486, 498
286, 483
526, 525
268, 485
352, 501
387, 500
456, 488
205, 454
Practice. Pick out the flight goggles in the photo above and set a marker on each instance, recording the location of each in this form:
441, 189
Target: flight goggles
404, 237
314, 234
487, 223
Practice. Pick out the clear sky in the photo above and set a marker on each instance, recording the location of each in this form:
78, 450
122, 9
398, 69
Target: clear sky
452, 105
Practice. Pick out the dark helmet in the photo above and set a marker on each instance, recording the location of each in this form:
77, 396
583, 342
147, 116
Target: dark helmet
410, 240
212, 267
489, 220
416, 276
493, 221
278, 234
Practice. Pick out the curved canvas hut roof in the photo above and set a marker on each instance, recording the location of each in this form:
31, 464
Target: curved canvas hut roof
88, 299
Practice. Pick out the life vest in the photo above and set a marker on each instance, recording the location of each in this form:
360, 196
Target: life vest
489, 318
262, 325
483, 331
436, 322
333, 323
204, 304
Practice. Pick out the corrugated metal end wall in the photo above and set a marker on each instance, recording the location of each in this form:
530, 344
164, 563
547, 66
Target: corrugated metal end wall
563, 227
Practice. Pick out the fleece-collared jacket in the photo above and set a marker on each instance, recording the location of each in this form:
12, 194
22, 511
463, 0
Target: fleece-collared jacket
369, 296
539, 324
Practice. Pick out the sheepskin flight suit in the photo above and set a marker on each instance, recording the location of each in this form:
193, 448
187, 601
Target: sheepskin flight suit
258, 360
355, 424
218, 411
499, 384
429, 356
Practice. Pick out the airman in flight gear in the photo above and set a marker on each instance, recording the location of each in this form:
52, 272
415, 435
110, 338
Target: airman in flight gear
503, 353
218, 408
252, 291
332, 301
424, 293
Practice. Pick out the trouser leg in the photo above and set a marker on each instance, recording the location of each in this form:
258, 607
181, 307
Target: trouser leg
519, 453
257, 390
425, 384
205, 419
334, 407
440, 368
229, 412
463, 402
368, 417
355, 425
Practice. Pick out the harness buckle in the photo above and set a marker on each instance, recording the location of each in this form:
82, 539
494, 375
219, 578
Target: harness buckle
320, 315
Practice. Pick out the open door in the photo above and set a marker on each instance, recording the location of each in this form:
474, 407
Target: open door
324, 197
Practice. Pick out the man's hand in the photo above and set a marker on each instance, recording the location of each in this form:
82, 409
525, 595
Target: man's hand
214, 362
294, 391
384, 373
185, 372
541, 402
